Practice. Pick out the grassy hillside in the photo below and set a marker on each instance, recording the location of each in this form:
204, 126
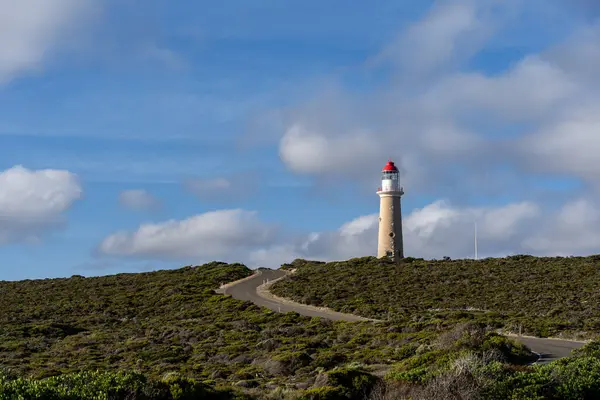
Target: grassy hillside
546, 296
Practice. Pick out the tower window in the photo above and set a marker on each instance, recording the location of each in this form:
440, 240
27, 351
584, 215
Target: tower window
389, 253
392, 234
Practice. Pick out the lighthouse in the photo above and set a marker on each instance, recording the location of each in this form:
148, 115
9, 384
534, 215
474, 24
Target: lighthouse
390, 243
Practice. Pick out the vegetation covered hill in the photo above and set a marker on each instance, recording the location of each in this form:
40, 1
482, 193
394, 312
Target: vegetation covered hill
168, 335
159, 333
544, 296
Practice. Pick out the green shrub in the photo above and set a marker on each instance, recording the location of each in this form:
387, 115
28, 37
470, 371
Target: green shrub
329, 359
591, 349
324, 393
104, 385
342, 383
407, 350
357, 383
187, 342
542, 296
171, 322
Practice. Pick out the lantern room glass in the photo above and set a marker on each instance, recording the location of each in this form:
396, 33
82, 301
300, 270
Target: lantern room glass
390, 181
393, 175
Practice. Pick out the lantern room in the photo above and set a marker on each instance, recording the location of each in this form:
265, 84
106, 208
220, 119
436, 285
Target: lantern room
390, 178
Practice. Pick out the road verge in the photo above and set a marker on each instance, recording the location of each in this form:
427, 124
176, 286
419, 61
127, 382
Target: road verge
516, 335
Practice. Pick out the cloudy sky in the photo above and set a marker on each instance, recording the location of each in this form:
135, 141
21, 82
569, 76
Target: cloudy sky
141, 135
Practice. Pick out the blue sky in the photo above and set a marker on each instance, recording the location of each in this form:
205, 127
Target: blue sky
286, 112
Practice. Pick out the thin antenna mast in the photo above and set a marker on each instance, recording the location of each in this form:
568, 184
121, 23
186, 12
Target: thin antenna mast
476, 257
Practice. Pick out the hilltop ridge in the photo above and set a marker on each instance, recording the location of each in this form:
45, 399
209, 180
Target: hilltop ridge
542, 296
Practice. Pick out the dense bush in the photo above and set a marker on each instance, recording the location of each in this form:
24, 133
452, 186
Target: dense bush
184, 341
466, 341
481, 372
565, 379
342, 384
299, 263
172, 322
543, 296
114, 386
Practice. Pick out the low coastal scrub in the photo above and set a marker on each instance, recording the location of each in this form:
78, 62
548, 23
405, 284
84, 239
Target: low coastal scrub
115, 386
539, 296
172, 323
481, 373
466, 363
168, 335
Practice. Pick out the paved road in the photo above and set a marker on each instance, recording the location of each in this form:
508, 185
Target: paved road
246, 290
549, 349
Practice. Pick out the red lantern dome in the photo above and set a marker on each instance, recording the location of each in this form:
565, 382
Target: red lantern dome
389, 167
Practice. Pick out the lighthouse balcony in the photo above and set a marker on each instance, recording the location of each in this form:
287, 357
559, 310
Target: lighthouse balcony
399, 190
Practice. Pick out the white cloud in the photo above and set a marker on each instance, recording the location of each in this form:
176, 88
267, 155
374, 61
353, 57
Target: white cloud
32, 202
138, 199
504, 222
337, 133
423, 223
358, 225
573, 230
451, 128
439, 229
311, 152
530, 90
434, 231
29, 29
450, 125
223, 234
449, 29
568, 144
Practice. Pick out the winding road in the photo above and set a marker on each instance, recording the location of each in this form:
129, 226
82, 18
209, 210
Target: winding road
249, 289
549, 349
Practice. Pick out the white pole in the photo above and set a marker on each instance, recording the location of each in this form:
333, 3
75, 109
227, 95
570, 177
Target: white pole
476, 256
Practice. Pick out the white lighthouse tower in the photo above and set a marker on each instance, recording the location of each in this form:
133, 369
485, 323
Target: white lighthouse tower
390, 243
